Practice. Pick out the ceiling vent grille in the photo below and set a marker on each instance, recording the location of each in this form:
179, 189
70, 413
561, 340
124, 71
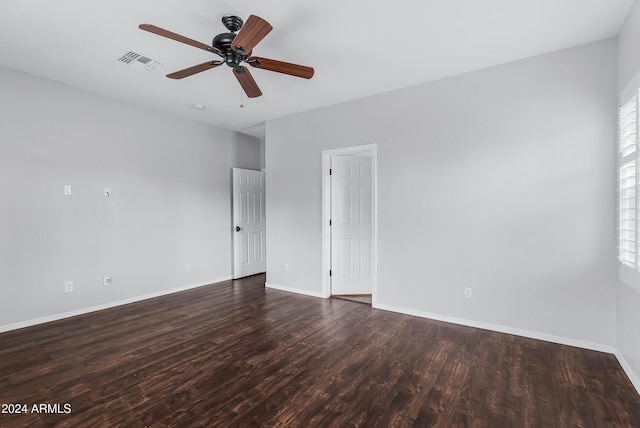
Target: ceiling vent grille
141, 62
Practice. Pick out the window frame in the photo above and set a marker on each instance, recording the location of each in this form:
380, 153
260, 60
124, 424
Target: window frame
629, 273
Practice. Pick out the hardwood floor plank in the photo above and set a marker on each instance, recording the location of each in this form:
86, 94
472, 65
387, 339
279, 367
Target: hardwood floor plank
237, 354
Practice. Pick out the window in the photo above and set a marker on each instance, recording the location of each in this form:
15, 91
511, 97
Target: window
628, 163
627, 184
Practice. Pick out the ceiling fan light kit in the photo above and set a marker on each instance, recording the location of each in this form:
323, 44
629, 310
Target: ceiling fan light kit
234, 51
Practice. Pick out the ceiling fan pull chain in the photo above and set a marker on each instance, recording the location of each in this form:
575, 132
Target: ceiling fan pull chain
241, 104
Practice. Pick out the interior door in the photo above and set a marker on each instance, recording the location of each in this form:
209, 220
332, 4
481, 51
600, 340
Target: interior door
249, 222
351, 225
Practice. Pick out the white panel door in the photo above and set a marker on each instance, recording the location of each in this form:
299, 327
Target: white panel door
248, 222
351, 225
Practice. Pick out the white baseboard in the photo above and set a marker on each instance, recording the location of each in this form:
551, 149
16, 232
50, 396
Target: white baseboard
503, 329
55, 317
294, 290
633, 377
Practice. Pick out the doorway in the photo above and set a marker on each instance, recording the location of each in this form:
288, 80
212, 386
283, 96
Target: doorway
349, 222
249, 245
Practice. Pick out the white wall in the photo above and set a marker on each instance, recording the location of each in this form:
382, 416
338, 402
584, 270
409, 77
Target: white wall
170, 181
628, 299
500, 180
247, 152
628, 45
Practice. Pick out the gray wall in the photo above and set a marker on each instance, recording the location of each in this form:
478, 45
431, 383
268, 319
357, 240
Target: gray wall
628, 44
628, 299
170, 181
500, 179
247, 152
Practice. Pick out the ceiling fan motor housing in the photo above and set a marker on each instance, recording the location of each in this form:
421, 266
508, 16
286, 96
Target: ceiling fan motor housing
223, 43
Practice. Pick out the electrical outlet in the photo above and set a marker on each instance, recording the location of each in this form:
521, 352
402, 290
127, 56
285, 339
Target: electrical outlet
286, 267
68, 286
107, 192
467, 293
187, 267
107, 281
67, 190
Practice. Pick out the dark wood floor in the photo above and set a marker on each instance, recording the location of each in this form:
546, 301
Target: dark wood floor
237, 354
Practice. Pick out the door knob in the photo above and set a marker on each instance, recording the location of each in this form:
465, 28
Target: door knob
238, 229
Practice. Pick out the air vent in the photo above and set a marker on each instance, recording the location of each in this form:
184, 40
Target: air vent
141, 62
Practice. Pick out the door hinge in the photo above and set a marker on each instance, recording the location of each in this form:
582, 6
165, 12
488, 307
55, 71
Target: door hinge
330, 223
330, 171
330, 273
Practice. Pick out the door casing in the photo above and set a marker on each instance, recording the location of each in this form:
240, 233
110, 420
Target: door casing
370, 150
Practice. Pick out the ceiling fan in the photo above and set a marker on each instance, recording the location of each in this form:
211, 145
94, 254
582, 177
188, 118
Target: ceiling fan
235, 49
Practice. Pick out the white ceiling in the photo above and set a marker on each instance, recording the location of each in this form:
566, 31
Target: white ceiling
357, 47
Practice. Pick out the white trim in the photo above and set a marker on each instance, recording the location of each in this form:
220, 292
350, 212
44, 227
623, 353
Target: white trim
503, 329
326, 214
633, 377
294, 290
56, 317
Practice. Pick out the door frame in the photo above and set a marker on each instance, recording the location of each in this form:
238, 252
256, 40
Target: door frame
371, 150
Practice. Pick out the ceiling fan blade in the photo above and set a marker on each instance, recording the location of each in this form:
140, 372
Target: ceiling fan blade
250, 34
282, 67
177, 37
246, 81
195, 69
